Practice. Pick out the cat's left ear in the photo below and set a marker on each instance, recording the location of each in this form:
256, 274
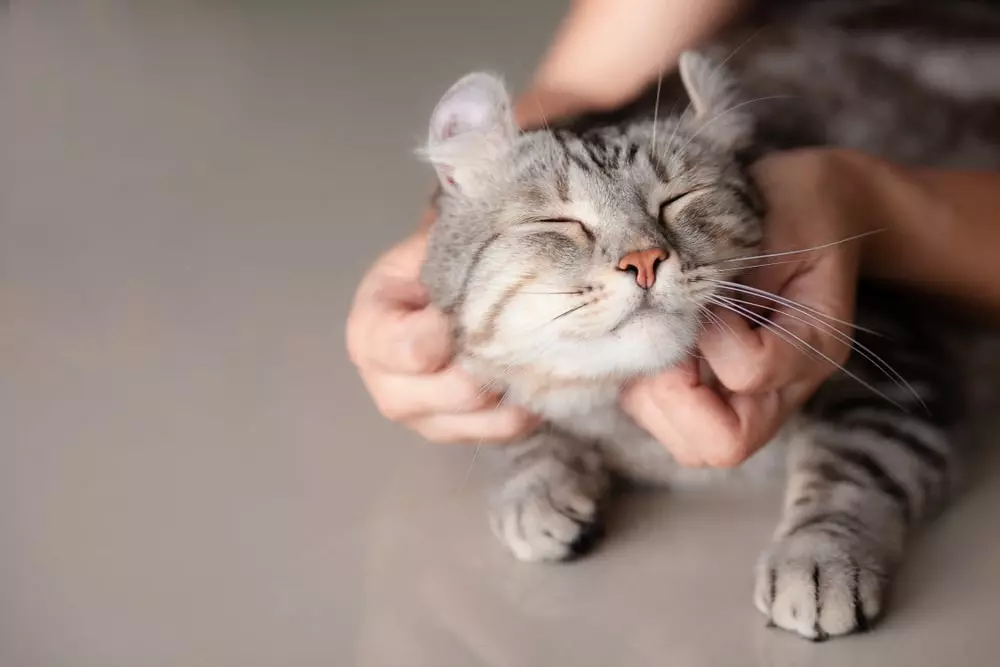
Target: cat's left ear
716, 101
471, 127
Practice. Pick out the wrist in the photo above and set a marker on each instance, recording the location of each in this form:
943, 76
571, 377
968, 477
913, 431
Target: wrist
852, 177
882, 199
850, 185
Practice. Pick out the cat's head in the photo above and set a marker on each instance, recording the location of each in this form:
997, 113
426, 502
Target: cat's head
587, 255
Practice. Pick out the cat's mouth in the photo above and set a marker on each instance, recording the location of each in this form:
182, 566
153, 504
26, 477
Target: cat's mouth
645, 309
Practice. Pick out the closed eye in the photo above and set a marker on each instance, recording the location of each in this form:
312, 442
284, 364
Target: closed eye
678, 197
567, 221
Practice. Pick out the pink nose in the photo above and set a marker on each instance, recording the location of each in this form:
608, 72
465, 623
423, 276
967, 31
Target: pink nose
644, 263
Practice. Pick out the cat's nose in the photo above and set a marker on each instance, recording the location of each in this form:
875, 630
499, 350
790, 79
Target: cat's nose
643, 264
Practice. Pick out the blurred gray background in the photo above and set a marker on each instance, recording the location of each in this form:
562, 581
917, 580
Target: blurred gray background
191, 474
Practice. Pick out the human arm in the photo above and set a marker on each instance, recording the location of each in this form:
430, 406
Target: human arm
607, 51
942, 230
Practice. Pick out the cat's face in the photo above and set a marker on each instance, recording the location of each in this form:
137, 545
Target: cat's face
585, 256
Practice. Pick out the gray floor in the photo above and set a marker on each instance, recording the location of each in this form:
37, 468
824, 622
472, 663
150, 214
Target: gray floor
190, 472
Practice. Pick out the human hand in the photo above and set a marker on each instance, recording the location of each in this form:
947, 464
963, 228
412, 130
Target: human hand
402, 347
815, 200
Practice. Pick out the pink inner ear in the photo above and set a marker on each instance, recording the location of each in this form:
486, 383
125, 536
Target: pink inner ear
448, 131
446, 175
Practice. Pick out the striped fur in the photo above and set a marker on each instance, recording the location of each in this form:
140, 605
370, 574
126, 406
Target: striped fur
525, 252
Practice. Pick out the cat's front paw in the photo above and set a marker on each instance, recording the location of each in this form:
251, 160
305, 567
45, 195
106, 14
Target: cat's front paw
820, 585
548, 520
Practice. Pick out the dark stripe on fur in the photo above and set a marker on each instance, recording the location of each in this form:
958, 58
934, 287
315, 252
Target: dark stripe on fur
562, 182
843, 520
860, 620
597, 158
658, 167
633, 150
883, 481
584, 166
477, 256
488, 330
820, 635
906, 440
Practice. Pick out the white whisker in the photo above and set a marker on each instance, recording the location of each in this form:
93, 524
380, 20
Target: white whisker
798, 252
730, 110
755, 266
656, 107
794, 305
541, 112
860, 348
746, 41
798, 342
725, 324
475, 455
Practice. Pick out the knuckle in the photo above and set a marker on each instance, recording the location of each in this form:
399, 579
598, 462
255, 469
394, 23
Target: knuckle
442, 430
433, 432
422, 351
685, 459
840, 354
389, 407
467, 395
450, 438
512, 426
355, 341
731, 455
747, 376
409, 356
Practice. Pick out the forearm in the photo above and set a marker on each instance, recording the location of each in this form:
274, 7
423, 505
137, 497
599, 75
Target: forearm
942, 230
607, 51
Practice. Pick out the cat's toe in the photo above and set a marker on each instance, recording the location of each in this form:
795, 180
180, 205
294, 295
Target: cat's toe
590, 536
536, 527
820, 586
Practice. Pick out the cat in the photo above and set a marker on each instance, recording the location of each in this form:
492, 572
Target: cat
573, 260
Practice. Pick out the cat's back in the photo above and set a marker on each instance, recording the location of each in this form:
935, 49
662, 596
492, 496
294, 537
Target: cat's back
909, 80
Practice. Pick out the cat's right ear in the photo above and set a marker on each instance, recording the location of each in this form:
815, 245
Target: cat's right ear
715, 97
471, 127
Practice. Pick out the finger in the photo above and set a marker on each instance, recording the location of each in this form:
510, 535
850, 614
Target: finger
697, 425
752, 360
642, 403
401, 341
392, 337
495, 426
391, 324
405, 259
658, 405
787, 344
402, 397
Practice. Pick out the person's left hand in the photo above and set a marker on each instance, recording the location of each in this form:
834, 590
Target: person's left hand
814, 198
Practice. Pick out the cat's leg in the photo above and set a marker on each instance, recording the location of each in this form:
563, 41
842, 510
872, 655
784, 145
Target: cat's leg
546, 505
864, 472
859, 482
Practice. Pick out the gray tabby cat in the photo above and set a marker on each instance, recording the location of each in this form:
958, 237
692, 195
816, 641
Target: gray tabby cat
574, 261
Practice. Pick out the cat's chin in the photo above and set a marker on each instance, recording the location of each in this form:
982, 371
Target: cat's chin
653, 341
645, 345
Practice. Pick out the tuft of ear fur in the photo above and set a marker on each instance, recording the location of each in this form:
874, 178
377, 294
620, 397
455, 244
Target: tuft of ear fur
471, 127
716, 101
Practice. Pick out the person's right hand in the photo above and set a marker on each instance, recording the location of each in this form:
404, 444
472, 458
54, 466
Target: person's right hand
402, 347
